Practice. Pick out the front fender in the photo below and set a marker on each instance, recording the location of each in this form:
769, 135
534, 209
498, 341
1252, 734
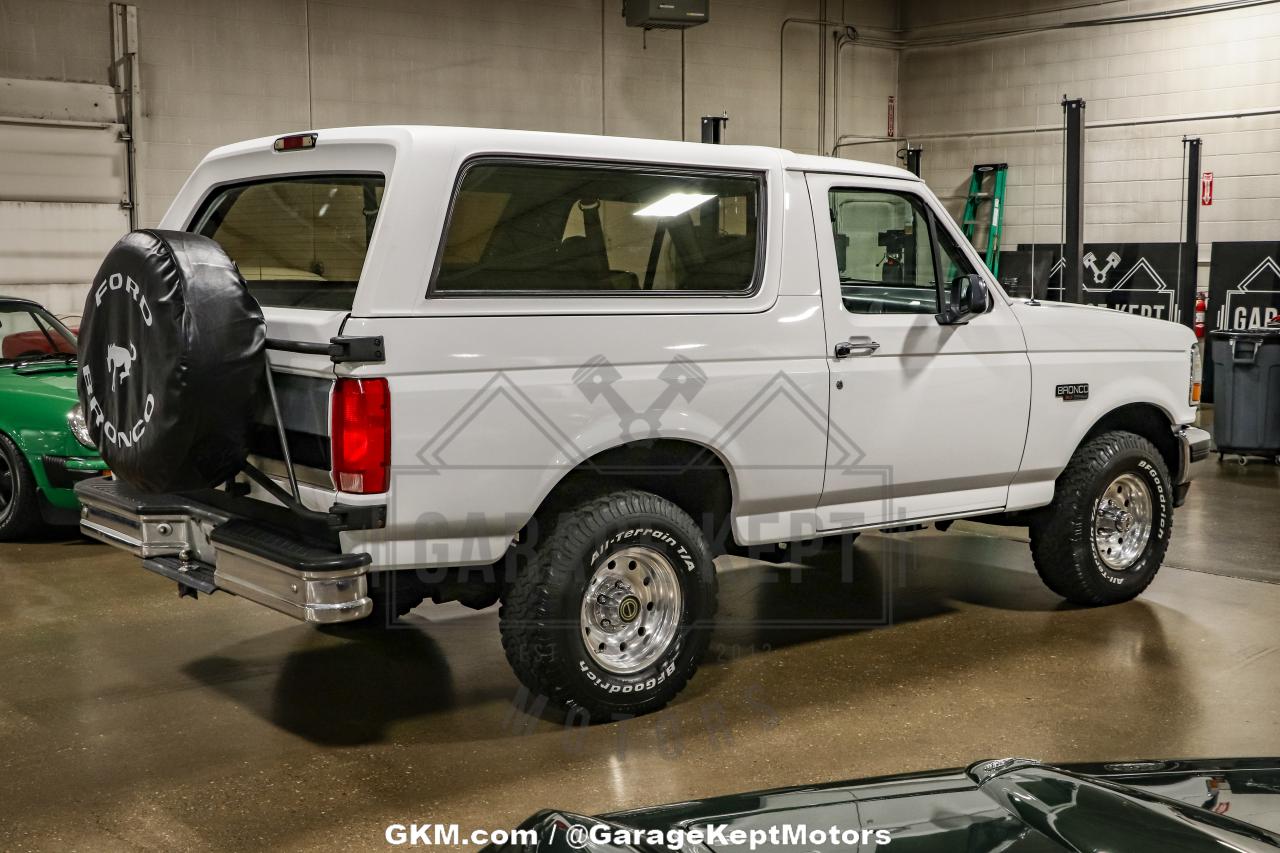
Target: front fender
1058, 424
33, 414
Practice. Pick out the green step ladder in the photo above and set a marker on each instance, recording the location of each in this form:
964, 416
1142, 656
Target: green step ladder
984, 210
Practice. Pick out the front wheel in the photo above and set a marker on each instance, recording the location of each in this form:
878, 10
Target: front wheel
19, 500
1103, 538
613, 614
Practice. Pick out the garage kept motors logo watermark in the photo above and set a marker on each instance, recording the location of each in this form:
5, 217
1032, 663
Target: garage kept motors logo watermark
121, 356
643, 403
554, 421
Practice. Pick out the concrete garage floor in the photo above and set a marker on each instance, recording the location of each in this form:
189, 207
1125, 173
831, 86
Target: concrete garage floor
132, 720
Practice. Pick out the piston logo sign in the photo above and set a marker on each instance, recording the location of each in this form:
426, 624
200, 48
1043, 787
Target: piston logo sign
1140, 289
1138, 278
120, 360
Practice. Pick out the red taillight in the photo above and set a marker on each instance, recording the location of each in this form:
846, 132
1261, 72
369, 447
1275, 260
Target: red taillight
361, 435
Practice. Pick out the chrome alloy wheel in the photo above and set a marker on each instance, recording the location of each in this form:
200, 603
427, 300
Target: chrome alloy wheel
631, 609
1122, 522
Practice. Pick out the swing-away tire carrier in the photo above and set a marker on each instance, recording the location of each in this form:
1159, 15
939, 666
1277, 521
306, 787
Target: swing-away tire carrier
211, 541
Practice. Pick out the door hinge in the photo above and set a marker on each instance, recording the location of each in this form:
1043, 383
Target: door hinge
344, 349
340, 350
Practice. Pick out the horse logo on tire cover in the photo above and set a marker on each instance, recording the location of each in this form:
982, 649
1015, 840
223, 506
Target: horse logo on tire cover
120, 362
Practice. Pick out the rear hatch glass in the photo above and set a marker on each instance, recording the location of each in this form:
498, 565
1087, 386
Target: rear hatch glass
300, 242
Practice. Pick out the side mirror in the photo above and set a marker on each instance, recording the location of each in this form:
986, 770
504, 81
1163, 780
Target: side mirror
965, 296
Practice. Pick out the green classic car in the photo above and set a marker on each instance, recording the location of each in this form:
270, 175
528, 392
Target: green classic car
44, 442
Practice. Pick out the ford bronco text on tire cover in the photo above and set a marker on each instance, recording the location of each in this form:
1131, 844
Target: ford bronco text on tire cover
564, 373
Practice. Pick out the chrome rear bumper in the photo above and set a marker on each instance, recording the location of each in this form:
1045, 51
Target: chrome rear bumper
206, 548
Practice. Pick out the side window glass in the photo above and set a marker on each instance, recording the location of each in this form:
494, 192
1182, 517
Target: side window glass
956, 268
883, 252
954, 261
579, 228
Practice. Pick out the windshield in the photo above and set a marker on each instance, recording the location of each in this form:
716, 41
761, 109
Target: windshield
299, 242
28, 332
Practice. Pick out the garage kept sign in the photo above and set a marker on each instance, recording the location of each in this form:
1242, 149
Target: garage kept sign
1140, 278
1244, 285
1244, 290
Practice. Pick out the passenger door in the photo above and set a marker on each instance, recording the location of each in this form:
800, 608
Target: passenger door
926, 420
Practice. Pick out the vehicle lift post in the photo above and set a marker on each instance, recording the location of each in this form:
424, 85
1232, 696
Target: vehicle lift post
713, 129
1073, 201
1188, 272
912, 157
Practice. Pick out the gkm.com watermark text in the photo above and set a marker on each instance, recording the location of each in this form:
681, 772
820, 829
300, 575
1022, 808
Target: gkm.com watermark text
585, 836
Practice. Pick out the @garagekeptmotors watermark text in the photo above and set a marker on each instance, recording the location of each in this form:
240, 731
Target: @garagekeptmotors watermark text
592, 834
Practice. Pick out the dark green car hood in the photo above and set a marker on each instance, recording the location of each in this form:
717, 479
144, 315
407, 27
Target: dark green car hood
44, 380
1206, 806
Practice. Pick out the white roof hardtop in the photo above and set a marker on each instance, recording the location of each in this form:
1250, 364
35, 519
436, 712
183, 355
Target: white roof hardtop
469, 141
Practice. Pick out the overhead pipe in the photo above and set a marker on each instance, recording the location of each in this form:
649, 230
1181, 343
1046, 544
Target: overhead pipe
782, 64
822, 80
1093, 125
904, 43
843, 40
849, 140
124, 73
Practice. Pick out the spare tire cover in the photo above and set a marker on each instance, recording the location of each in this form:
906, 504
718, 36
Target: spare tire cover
171, 361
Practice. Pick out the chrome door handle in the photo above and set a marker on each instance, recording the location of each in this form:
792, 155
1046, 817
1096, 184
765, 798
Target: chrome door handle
856, 346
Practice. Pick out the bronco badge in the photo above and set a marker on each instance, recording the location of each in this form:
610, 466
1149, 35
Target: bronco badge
1070, 393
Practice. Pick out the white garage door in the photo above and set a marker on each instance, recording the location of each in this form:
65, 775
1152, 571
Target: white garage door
61, 184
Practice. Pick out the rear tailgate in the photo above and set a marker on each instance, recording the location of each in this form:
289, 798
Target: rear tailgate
304, 386
299, 224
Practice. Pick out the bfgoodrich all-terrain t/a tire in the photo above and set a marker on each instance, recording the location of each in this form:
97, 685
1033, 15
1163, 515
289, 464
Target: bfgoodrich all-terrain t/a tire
612, 615
1103, 538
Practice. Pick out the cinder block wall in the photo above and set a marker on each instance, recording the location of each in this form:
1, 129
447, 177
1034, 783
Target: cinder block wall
215, 72
1184, 69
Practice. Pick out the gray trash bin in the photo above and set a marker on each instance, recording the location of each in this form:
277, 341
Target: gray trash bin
1246, 370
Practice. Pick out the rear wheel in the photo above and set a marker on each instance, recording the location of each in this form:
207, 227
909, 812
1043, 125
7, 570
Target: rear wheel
19, 498
613, 614
1103, 538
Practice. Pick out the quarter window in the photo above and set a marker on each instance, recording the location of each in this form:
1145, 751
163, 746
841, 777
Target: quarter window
884, 253
560, 228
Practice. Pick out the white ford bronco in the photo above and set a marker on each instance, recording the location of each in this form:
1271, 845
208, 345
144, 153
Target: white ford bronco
375, 366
